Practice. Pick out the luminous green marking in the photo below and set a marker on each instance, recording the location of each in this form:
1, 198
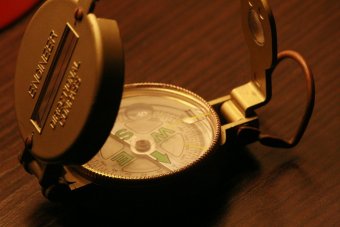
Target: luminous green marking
162, 134
123, 158
161, 157
124, 134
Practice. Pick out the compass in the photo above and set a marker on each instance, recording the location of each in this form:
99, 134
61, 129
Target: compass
81, 125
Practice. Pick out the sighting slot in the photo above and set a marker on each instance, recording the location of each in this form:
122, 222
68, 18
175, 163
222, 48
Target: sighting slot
55, 76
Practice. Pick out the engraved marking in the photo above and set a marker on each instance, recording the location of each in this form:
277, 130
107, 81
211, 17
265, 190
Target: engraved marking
41, 67
67, 97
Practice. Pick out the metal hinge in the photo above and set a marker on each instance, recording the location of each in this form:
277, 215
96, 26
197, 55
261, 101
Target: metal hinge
232, 117
50, 176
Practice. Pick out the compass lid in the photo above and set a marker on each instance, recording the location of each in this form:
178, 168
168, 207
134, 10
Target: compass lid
68, 82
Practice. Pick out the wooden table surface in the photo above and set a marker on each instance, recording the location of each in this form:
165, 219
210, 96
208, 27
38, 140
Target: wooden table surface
199, 45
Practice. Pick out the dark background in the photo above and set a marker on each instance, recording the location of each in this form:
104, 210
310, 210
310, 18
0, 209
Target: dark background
199, 45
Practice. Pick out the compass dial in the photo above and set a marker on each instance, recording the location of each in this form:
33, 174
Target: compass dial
160, 130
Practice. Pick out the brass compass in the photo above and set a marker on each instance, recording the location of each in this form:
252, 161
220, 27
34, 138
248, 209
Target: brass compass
81, 124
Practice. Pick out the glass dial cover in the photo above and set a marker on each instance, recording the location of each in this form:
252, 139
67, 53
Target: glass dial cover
160, 130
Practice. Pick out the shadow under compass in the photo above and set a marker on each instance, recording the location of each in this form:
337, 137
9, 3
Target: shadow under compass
198, 198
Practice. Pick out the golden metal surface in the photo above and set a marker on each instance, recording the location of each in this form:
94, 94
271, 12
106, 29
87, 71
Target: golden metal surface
260, 35
70, 115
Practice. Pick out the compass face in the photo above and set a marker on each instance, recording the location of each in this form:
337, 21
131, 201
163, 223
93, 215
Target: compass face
160, 130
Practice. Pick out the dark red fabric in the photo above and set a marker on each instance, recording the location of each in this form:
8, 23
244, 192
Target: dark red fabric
11, 10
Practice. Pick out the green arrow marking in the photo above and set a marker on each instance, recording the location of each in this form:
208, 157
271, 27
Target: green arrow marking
160, 157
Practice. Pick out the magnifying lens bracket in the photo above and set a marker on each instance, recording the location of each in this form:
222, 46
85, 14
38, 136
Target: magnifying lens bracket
260, 34
238, 108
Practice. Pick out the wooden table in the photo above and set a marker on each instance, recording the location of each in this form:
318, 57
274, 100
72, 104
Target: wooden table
199, 45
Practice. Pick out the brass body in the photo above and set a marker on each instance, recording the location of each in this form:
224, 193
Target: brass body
61, 146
